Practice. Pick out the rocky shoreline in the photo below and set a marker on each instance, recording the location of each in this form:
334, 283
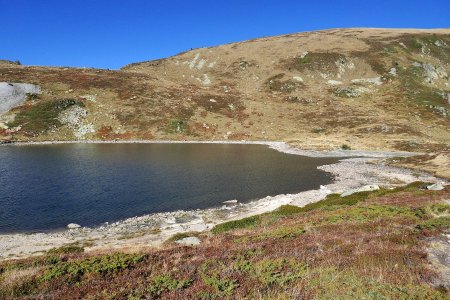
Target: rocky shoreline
364, 168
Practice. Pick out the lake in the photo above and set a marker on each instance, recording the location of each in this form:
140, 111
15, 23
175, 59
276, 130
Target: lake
46, 187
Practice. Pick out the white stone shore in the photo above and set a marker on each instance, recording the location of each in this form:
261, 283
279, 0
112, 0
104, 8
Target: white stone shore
363, 168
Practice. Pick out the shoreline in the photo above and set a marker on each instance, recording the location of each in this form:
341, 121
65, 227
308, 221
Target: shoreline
283, 147
356, 169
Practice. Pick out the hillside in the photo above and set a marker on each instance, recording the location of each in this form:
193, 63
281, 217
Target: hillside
370, 88
370, 245
363, 89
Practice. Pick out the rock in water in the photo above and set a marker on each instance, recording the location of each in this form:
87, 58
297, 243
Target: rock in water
230, 202
189, 241
366, 188
73, 226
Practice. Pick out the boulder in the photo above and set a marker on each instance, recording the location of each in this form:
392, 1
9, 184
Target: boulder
366, 188
435, 187
189, 241
73, 226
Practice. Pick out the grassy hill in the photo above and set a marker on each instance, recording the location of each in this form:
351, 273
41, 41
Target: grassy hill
385, 244
369, 88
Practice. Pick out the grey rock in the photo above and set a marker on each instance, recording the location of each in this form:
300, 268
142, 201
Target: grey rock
189, 241
435, 187
73, 226
366, 188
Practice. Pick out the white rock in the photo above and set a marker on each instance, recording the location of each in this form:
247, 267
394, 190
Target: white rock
334, 82
375, 80
72, 116
189, 241
324, 190
230, 202
435, 187
297, 78
73, 226
366, 188
205, 80
393, 71
13, 94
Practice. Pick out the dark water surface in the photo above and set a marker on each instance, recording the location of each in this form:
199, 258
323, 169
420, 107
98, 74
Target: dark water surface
45, 187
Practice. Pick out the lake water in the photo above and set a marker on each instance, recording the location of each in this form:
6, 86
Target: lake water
46, 187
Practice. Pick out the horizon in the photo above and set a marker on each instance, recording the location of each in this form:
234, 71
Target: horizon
107, 35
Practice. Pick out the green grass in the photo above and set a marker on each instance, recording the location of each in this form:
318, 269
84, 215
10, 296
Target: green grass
331, 202
368, 213
42, 116
249, 222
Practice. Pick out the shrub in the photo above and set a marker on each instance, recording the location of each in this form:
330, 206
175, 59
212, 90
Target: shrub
345, 147
66, 250
100, 264
249, 222
165, 283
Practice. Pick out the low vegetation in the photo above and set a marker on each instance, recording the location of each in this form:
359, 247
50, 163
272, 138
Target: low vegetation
369, 245
42, 116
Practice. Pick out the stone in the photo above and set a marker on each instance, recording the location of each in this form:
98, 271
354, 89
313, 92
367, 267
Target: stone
230, 202
435, 187
73, 226
189, 241
366, 188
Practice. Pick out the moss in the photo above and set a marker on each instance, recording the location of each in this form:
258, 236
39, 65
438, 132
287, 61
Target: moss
284, 232
319, 130
165, 283
368, 213
315, 61
439, 223
210, 273
249, 222
66, 250
439, 209
346, 92
99, 264
346, 147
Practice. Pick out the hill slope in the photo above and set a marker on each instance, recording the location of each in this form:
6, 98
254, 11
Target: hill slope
368, 88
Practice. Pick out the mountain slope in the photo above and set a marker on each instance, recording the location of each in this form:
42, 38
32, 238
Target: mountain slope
367, 88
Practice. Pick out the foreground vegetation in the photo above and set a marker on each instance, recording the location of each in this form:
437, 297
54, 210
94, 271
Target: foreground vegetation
370, 245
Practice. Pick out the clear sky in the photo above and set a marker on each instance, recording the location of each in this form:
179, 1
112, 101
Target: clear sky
113, 33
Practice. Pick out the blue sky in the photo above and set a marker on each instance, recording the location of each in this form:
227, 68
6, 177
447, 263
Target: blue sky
113, 33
